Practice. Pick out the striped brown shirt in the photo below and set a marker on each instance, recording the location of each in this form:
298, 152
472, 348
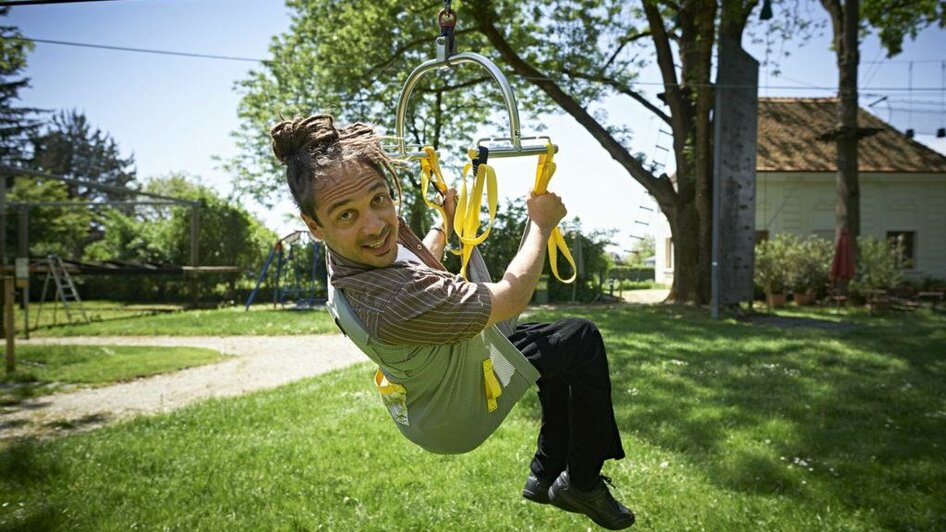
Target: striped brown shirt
409, 303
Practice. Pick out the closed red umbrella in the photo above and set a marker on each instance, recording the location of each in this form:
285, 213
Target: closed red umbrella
843, 263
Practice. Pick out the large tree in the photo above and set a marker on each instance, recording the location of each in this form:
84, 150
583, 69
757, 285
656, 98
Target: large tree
893, 20
70, 146
351, 58
16, 123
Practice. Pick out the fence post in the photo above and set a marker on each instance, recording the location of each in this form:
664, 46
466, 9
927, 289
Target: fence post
9, 328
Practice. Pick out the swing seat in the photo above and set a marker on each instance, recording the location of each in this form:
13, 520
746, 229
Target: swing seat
436, 394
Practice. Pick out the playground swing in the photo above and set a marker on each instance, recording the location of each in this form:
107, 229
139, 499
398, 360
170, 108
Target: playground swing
488, 375
289, 282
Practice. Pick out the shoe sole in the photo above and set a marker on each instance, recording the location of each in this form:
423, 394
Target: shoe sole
563, 502
538, 498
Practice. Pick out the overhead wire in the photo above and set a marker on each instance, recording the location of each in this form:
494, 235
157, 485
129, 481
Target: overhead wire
801, 85
144, 50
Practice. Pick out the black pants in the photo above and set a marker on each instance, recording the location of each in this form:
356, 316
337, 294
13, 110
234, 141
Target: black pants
578, 427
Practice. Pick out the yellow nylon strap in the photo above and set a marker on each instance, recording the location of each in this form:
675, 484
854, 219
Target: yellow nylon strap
466, 220
385, 387
543, 174
491, 385
430, 172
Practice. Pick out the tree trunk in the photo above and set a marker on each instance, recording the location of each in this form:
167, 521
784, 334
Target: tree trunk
844, 21
691, 276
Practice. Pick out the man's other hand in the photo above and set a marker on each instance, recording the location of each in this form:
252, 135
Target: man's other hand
449, 208
546, 210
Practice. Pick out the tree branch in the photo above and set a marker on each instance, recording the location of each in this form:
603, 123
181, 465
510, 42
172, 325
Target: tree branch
402, 49
661, 188
621, 89
448, 88
624, 42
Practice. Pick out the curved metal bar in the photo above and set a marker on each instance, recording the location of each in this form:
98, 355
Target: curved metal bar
466, 57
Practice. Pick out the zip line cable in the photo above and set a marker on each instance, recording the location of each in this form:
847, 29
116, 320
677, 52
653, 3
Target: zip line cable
145, 50
44, 2
539, 78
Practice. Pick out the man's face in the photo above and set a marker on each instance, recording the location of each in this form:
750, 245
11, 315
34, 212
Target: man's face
356, 214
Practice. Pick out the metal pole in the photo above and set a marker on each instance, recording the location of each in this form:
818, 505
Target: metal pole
9, 328
23, 253
195, 254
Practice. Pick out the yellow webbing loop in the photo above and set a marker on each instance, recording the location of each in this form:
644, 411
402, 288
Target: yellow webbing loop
543, 175
491, 384
466, 220
385, 387
430, 172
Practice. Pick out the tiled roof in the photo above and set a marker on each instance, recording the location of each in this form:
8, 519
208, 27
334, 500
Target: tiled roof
788, 140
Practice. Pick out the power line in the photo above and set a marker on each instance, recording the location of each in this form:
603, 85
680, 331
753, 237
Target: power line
546, 78
42, 2
143, 50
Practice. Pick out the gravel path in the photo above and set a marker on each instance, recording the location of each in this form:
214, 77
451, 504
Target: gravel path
647, 296
253, 363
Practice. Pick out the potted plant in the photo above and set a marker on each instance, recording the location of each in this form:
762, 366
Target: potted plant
877, 272
812, 263
773, 267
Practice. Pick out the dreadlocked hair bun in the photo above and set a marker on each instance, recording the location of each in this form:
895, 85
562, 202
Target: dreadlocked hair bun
304, 136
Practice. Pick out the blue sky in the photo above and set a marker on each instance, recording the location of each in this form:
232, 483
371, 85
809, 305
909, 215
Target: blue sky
176, 113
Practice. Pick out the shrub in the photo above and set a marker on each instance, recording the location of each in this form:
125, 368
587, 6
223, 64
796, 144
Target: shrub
811, 264
776, 263
877, 267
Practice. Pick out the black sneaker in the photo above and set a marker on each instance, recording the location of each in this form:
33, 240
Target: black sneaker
598, 504
536, 489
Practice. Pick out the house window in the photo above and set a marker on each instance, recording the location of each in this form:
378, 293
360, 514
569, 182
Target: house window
668, 253
761, 236
903, 244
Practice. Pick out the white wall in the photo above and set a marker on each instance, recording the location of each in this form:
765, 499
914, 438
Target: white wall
803, 204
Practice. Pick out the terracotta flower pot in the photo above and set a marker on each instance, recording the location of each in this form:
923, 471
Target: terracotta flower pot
776, 300
804, 299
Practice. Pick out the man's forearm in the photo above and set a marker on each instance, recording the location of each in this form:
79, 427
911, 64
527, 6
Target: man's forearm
436, 241
512, 293
523, 271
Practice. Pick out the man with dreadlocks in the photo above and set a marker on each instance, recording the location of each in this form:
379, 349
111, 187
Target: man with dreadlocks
434, 334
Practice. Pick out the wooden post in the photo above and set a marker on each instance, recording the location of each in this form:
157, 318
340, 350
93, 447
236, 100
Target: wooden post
23, 252
3, 218
195, 254
9, 328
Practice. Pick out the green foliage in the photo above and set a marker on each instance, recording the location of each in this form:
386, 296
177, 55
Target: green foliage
54, 230
877, 267
623, 272
591, 260
229, 236
895, 20
70, 147
775, 263
789, 263
16, 123
811, 264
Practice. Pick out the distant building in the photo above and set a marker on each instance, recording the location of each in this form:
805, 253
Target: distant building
902, 185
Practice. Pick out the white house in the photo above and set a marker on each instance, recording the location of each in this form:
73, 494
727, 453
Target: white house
902, 185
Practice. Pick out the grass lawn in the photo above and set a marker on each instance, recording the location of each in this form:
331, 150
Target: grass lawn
727, 426
128, 320
43, 369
